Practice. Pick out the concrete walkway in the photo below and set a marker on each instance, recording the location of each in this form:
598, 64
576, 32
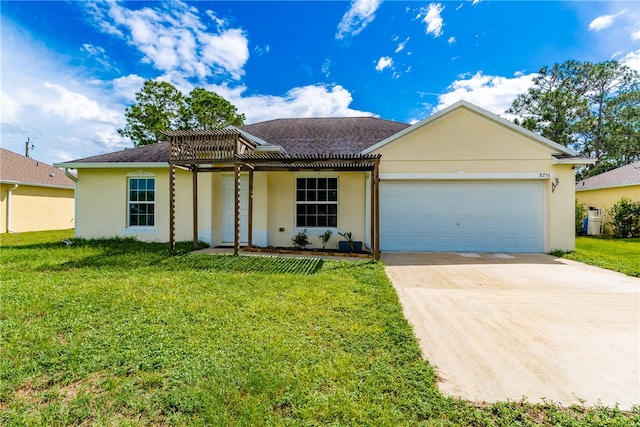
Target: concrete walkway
500, 326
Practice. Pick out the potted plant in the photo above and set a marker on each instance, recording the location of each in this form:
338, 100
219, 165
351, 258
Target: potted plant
348, 244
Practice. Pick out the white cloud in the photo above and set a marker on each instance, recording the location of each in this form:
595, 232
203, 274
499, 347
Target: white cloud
635, 35
127, 86
432, 18
306, 101
384, 62
174, 38
360, 14
604, 21
631, 60
401, 45
327, 67
72, 106
451, 40
262, 50
66, 114
493, 93
228, 50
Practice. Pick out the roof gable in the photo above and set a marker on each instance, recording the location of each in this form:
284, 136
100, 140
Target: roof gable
17, 169
497, 121
623, 176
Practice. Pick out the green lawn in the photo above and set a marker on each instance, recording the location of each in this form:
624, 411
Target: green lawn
118, 332
622, 255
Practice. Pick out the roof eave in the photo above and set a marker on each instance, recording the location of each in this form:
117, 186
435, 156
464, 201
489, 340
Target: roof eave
573, 161
605, 187
36, 184
112, 165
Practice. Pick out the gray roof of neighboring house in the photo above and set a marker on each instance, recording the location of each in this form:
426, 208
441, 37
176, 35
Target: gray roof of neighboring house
619, 177
337, 135
17, 169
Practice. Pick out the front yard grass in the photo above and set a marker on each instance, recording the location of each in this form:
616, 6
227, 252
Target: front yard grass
621, 255
118, 332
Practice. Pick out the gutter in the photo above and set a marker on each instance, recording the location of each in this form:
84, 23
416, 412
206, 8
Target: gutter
114, 165
9, 191
69, 175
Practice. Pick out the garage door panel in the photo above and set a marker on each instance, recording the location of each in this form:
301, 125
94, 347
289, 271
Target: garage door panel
462, 216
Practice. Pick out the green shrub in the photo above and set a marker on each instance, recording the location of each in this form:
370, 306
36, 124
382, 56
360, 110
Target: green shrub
625, 218
581, 213
301, 240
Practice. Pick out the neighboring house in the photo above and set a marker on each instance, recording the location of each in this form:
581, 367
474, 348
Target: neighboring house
461, 180
34, 196
601, 192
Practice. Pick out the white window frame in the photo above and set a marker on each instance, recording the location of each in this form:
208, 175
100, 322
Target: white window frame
316, 202
141, 176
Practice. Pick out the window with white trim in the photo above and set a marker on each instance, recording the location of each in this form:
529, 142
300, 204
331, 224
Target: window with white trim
142, 196
317, 202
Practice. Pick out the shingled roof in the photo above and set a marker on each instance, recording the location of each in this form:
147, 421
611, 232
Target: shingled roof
619, 177
154, 153
17, 169
309, 136
331, 135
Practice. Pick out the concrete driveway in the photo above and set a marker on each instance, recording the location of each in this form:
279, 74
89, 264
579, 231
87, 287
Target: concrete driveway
500, 326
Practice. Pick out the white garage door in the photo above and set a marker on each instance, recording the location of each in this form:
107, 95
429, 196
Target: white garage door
462, 216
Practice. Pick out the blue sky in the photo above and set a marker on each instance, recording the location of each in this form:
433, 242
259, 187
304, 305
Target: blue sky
69, 69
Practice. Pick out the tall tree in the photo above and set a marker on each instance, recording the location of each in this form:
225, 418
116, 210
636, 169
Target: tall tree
590, 107
554, 106
614, 96
157, 108
208, 110
160, 106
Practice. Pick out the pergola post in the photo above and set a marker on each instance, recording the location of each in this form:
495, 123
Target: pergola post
194, 174
172, 207
236, 210
372, 210
376, 215
250, 208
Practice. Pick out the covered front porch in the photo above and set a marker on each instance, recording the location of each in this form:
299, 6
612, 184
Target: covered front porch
230, 151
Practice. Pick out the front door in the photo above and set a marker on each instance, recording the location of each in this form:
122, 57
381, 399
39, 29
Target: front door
228, 211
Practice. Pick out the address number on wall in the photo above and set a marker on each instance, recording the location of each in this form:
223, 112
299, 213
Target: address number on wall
545, 174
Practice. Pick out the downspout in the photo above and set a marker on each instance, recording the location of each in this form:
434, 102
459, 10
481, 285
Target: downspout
9, 191
69, 175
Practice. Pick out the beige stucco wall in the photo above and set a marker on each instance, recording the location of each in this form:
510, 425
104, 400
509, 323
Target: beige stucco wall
605, 198
102, 204
103, 212
352, 208
464, 145
36, 208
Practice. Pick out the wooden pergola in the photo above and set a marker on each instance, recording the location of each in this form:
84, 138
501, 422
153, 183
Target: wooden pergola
228, 150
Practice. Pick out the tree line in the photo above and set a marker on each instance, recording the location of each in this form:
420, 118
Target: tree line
592, 108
